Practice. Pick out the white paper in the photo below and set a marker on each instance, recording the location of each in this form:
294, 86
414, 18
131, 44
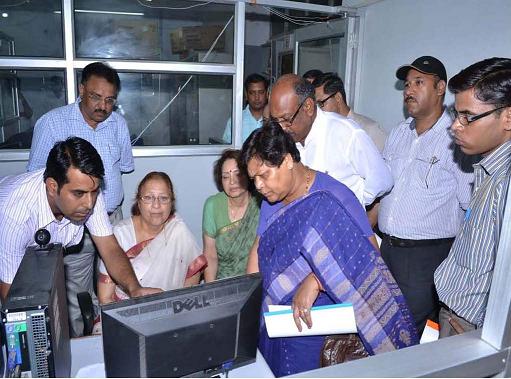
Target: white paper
431, 332
326, 319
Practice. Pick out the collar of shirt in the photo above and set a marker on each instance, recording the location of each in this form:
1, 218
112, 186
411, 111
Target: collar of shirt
76, 114
45, 215
249, 113
315, 131
444, 122
500, 157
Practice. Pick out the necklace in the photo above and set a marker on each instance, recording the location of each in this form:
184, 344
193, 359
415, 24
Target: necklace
236, 213
307, 179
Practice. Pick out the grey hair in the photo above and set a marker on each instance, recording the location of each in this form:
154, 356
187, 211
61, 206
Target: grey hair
304, 89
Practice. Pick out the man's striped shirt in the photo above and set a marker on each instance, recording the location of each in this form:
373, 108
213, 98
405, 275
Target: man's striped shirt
463, 280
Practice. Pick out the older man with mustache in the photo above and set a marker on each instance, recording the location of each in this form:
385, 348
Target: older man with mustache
92, 118
432, 185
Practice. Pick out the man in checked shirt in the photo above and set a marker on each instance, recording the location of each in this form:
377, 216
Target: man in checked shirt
92, 118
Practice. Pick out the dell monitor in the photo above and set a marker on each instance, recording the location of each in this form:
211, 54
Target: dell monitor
195, 331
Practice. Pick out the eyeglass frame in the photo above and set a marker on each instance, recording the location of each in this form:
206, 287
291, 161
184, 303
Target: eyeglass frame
293, 117
95, 98
469, 119
321, 103
151, 199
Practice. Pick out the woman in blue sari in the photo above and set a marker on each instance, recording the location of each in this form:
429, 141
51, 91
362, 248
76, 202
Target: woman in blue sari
315, 247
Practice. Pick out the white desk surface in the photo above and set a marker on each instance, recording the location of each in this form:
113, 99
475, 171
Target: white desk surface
87, 361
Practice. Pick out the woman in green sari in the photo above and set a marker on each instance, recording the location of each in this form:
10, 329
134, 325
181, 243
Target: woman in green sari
229, 220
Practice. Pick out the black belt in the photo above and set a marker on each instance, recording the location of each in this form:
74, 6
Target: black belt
399, 242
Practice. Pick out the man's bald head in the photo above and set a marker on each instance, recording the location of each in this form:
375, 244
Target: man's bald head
294, 84
292, 105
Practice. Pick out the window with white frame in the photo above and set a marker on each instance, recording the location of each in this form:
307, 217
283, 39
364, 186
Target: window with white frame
175, 60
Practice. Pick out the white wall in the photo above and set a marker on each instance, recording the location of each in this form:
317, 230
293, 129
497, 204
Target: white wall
458, 32
257, 32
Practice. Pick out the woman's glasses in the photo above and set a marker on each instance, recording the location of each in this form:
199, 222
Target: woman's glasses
151, 199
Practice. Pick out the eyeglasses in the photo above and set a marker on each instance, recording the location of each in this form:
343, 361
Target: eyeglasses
289, 121
465, 119
110, 101
321, 103
151, 199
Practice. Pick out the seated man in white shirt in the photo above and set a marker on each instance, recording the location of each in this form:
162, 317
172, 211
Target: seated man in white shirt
329, 142
331, 97
62, 198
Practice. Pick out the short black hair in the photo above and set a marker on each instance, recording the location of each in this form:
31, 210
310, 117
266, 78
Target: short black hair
271, 144
312, 74
490, 79
331, 83
73, 152
101, 70
217, 168
255, 78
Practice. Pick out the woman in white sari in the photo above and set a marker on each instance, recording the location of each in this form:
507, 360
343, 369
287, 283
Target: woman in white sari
161, 248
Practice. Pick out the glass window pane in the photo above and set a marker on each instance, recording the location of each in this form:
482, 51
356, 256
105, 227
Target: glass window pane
173, 30
321, 54
164, 109
31, 28
24, 97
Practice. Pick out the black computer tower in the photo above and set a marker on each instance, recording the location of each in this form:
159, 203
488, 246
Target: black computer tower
35, 318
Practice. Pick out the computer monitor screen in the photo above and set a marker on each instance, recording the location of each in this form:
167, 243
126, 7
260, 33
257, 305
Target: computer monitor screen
190, 331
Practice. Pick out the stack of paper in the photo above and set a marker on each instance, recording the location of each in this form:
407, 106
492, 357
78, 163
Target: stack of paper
326, 319
431, 332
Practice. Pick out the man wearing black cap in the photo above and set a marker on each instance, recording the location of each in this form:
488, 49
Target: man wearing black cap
424, 210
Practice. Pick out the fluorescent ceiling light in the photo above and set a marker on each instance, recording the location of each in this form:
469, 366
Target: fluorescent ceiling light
105, 12
4, 15
109, 12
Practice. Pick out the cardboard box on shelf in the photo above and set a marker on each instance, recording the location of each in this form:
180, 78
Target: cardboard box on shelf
196, 38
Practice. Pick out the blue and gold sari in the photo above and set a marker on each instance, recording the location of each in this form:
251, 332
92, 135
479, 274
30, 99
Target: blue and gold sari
317, 234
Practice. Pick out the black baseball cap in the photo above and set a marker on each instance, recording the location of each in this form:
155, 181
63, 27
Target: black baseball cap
426, 64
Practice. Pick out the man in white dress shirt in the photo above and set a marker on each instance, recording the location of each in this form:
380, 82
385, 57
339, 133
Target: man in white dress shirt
329, 142
331, 97
62, 198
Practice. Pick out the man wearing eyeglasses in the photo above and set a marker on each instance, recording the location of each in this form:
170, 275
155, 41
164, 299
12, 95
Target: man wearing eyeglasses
331, 97
432, 184
92, 118
482, 125
328, 142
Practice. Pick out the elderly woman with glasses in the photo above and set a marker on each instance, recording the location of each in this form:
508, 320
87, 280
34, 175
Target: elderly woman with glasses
161, 248
315, 247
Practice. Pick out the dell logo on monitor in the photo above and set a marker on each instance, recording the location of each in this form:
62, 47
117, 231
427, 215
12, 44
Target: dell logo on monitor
197, 302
